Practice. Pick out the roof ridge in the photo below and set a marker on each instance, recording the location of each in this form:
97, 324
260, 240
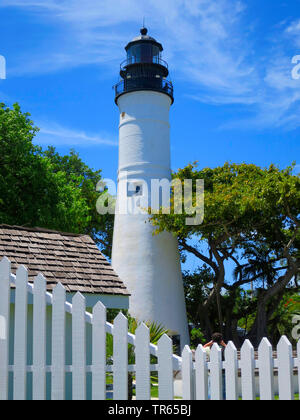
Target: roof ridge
41, 230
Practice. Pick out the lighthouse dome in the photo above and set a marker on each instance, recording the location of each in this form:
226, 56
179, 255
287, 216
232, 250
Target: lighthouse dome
143, 37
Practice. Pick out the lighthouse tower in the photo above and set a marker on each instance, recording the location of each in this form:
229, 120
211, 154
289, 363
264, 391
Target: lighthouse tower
148, 264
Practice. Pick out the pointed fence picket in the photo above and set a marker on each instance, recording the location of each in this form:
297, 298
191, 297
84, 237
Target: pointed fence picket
165, 369
20, 339
266, 370
120, 358
99, 353
202, 376
187, 374
58, 343
79, 347
142, 363
285, 369
297, 364
247, 371
39, 338
216, 386
201, 373
231, 369
5, 268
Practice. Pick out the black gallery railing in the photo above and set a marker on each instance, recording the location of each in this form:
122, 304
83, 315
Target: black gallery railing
155, 83
143, 60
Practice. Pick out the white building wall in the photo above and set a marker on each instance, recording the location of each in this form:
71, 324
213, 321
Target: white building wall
148, 265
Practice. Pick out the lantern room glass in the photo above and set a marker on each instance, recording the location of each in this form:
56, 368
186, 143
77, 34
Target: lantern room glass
143, 53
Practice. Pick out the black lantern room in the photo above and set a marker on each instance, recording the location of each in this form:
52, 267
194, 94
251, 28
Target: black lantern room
144, 68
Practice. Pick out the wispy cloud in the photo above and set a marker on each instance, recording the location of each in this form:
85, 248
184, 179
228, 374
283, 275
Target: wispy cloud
208, 45
54, 134
200, 35
293, 30
296, 170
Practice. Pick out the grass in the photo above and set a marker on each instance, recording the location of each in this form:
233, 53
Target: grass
154, 388
109, 379
296, 397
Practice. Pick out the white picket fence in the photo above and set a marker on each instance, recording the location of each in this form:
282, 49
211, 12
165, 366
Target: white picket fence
200, 379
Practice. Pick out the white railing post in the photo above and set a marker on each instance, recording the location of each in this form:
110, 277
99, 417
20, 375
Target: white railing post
99, 352
201, 373
39, 338
285, 369
5, 268
187, 374
247, 371
298, 365
266, 370
142, 363
20, 340
79, 347
216, 385
165, 368
231, 369
58, 343
120, 358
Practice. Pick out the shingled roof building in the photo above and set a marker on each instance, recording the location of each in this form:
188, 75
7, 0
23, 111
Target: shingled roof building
73, 260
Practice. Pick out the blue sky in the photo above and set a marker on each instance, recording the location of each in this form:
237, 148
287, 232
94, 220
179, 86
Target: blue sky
230, 62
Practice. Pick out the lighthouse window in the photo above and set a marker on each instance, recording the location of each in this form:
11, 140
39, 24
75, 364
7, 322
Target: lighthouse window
134, 54
156, 54
134, 190
146, 53
143, 53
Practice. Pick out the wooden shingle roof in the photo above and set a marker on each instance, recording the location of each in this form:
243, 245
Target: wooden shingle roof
73, 260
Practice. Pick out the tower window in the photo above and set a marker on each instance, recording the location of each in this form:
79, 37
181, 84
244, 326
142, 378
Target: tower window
134, 190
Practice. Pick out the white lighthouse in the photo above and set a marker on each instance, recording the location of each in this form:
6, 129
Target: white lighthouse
148, 264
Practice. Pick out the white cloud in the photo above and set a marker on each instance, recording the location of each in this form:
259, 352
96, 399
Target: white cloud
296, 170
199, 37
208, 45
54, 134
293, 30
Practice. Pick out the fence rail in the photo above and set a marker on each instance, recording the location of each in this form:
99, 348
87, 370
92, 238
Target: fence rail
201, 379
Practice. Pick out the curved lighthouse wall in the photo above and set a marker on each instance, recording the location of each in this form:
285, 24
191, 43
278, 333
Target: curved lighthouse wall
148, 264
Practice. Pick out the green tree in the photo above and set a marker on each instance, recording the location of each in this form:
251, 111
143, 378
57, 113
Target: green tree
281, 321
238, 307
42, 188
244, 205
99, 227
197, 288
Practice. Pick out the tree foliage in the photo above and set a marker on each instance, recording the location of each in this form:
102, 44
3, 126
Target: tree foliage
43, 188
252, 219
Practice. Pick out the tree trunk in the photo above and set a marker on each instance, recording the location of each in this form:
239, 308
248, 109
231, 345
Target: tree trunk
260, 329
